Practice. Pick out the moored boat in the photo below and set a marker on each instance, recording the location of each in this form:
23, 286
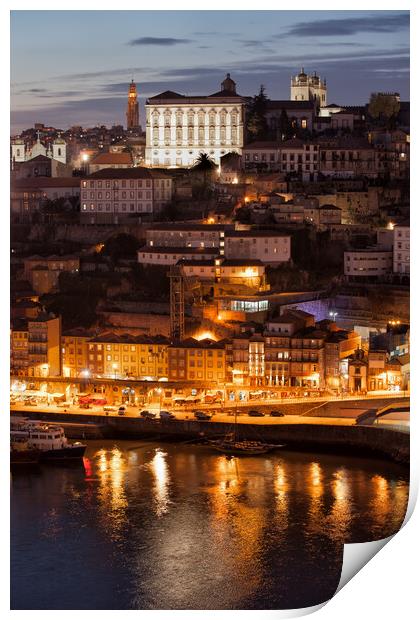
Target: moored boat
231, 445
22, 455
48, 439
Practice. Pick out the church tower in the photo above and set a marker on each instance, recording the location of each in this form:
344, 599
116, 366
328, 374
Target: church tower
305, 87
18, 150
59, 150
132, 107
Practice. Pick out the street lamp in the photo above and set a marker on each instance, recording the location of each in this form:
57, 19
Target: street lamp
333, 314
115, 366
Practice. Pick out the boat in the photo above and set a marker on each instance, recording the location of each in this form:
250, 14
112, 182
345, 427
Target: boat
231, 445
21, 454
48, 439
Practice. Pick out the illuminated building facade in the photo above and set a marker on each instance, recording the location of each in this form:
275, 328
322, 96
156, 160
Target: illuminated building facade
125, 356
197, 360
44, 346
179, 127
74, 351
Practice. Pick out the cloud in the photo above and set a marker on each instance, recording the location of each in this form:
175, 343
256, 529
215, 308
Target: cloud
165, 41
252, 43
37, 90
350, 26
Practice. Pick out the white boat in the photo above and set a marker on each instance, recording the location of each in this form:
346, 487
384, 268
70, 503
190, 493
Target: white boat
49, 439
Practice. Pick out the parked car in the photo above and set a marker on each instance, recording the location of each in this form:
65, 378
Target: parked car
84, 406
148, 414
109, 409
166, 415
276, 414
65, 405
254, 413
121, 410
202, 415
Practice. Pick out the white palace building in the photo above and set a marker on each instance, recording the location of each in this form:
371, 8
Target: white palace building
179, 127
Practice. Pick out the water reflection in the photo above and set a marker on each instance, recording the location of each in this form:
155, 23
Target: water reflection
111, 470
159, 469
179, 527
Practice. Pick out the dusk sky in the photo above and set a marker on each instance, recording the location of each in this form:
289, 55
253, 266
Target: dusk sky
73, 67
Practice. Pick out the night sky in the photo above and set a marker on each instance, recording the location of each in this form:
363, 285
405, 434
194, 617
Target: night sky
73, 67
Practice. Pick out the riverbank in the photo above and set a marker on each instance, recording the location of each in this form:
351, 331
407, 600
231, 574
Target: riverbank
299, 433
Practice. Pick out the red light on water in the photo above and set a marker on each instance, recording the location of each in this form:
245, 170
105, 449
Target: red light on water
88, 467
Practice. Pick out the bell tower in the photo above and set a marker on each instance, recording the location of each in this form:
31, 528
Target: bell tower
132, 107
18, 150
59, 150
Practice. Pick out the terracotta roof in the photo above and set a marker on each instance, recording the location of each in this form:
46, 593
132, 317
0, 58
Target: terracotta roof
192, 343
262, 145
254, 233
188, 227
174, 250
40, 182
112, 158
111, 337
128, 173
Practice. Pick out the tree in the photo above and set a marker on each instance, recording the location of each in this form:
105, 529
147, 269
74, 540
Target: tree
206, 166
285, 126
384, 108
257, 121
122, 245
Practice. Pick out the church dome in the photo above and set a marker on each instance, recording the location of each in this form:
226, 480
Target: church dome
302, 75
228, 84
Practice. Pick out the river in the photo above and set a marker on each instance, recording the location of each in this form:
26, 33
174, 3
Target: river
144, 525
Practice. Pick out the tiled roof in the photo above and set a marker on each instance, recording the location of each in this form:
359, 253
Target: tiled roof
127, 173
174, 250
112, 158
41, 182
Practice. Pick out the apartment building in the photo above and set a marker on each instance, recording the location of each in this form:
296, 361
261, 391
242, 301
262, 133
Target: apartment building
187, 235
197, 360
270, 247
401, 250
74, 351
43, 272
44, 345
367, 264
125, 356
111, 195
166, 255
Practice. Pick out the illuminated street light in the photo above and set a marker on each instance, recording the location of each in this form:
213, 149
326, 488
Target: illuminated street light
115, 366
85, 373
333, 314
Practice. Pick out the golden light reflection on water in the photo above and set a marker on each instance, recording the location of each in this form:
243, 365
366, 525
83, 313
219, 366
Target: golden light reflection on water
160, 471
236, 524
380, 505
111, 469
340, 517
281, 491
316, 492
